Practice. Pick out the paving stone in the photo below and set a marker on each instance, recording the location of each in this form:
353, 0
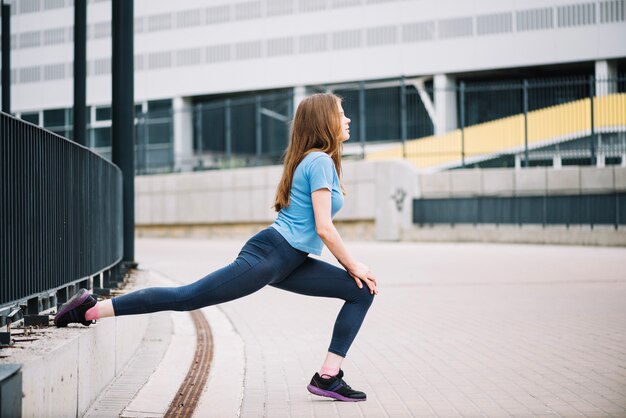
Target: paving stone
457, 330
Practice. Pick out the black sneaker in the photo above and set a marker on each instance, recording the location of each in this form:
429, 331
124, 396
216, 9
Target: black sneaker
74, 309
335, 387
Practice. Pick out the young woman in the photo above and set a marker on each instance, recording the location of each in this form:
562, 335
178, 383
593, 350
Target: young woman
309, 195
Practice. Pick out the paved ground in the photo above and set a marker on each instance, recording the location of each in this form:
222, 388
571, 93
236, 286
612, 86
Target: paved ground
457, 330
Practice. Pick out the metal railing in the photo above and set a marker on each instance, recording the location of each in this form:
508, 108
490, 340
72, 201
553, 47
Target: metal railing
514, 123
586, 209
60, 217
519, 123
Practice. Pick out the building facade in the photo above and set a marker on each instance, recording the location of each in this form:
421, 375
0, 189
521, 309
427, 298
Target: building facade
217, 78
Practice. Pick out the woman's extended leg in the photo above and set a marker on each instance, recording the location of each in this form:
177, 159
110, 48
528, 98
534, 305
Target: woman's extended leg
261, 260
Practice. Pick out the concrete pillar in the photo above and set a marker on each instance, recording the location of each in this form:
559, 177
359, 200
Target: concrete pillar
183, 133
606, 77
445, 104
557, 162
299, 93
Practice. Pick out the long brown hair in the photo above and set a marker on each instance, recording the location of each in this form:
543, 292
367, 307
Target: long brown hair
316, 127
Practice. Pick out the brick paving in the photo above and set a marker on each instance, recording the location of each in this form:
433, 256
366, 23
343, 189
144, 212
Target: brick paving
458, 330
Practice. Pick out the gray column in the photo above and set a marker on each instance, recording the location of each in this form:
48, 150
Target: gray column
606, 77
445, 104
299, 93
183, 133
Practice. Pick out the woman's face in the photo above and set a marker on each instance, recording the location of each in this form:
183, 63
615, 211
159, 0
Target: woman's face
345, 124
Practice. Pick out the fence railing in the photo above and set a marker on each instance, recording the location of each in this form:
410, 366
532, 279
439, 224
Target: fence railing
466, 123
60, 217
554, 122
590, 209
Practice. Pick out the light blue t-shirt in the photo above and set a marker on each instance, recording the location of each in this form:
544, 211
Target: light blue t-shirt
296, 223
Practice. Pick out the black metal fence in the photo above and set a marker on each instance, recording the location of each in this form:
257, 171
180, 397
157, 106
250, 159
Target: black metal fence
556, 122
60, 217
592, 209
575, 120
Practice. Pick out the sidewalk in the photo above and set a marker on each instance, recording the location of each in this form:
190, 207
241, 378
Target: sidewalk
457, 330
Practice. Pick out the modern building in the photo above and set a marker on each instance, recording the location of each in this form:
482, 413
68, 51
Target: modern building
217, 80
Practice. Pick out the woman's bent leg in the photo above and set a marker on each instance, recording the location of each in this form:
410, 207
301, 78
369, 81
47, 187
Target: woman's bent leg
318, 278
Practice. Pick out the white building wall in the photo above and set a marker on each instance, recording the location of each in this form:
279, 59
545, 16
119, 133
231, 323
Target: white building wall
192, 47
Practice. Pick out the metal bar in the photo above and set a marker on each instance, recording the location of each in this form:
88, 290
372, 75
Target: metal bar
592, 91
123, 109
80, 71
525, 95
403, 116
258, 130
229, 136
362, 132
6, 57
462, 94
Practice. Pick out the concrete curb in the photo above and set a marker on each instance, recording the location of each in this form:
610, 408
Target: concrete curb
223, 394
68, 379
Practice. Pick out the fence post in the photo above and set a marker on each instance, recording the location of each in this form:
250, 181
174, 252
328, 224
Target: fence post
229, 137
362, 117
403, 116
199, 139
259, 132
592, 89
462, 94
525, 96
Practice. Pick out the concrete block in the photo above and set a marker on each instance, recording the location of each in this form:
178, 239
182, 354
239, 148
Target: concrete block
142, 209
209, 206
434, 185
225, 179
129, 331
170, 207
258, 177
96, 354
242, 178
597, 179
531, 181
563, 181
466, 182
188, 210
498, 182
227, 199
61, 381
241, 209
273, 174
170, 182
260, 204
619, 174
365, 200
34, 388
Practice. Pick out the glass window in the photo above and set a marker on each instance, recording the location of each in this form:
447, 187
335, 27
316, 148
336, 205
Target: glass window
159, 133
54, 117
102, 137
159, 105
103, 113
31, 117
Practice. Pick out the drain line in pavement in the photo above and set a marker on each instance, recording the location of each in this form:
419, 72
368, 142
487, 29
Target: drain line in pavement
184, 403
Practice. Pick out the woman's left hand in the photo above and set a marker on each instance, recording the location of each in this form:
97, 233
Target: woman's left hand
368, 278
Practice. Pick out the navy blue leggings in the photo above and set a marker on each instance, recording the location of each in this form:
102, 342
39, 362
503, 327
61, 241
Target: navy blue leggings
267, 258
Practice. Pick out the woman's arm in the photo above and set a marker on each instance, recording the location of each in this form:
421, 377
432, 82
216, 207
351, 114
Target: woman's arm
324, 227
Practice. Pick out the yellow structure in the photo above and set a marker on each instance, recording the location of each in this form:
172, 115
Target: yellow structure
546, 126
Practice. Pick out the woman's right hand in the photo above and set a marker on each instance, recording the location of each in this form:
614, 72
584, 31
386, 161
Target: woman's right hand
362, 273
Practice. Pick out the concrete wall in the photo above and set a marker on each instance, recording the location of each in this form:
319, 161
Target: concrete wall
236, 203
71, 374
